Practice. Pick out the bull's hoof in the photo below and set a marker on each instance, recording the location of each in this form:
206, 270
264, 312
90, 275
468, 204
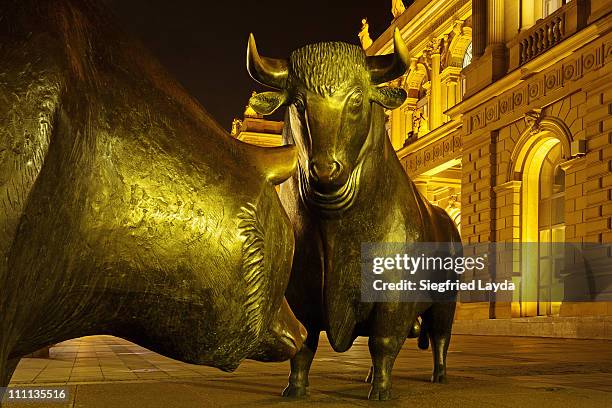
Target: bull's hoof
295, 391
439, 378
379, 393
370, 376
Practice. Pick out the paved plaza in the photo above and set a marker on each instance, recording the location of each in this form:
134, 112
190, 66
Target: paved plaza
484, 371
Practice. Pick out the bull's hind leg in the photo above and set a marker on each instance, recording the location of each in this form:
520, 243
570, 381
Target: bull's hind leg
383, 350
300, 366
438, 323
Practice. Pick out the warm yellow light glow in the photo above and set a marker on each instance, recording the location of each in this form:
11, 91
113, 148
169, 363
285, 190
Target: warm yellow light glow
533, 155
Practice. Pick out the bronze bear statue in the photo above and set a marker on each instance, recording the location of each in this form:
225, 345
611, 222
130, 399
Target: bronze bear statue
124, 208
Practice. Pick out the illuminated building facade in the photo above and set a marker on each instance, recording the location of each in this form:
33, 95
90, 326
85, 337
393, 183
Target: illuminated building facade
507, 126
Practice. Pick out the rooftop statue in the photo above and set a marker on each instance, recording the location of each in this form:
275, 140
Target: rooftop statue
350, 188
124, 208
364, 34
397, 8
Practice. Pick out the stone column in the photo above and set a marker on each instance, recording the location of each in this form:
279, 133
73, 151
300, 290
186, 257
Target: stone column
445, 101
496, 45
451, 83
397, 137
435, 113
452, 91
427, 87
508, 232
479, 29
495, 28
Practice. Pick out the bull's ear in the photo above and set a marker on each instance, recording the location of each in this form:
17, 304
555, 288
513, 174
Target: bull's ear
389, 97
266, 103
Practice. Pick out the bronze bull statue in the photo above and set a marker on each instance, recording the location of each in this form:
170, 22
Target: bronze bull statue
350, 189
124, 208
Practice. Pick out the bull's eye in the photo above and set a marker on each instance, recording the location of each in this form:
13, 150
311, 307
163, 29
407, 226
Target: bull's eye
355, 101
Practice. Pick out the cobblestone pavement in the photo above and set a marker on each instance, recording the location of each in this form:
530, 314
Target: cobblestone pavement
484, 371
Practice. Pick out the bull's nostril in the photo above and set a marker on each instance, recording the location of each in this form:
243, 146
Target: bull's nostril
335, 170
325, 173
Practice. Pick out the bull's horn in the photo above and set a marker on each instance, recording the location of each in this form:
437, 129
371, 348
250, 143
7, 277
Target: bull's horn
385, 68
267, 71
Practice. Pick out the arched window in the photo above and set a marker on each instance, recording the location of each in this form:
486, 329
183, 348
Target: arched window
551, 230
467, 57
536, 169
467, 60
543, 225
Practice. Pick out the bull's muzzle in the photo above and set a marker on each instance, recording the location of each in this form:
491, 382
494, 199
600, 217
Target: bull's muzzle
327, 176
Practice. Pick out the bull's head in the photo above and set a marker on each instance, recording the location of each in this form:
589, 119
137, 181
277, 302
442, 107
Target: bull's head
329, 88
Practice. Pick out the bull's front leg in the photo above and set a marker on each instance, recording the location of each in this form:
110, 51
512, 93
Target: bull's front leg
300, 366
414, 332
383, 350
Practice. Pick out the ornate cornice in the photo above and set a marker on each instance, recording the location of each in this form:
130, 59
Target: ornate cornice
431, 155
436, 147
522, 97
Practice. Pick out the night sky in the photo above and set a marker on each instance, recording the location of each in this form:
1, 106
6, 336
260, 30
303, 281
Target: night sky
203, 43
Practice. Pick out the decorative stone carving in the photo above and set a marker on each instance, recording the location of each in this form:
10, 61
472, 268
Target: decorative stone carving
532, 120
460, 39
418, 120
435, 46
433, 154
